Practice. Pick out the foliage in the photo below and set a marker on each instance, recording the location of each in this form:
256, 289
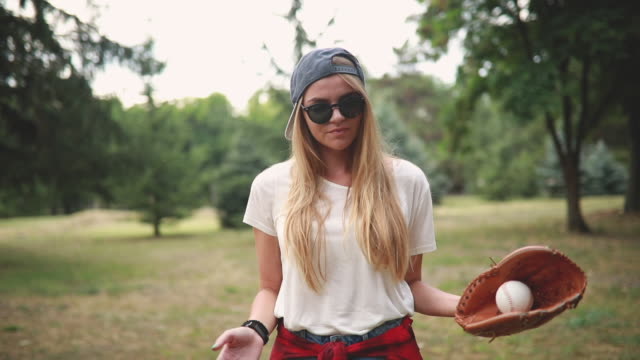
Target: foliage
550, 179
24, 200
232, 180
54, 133
268, 110
162, 167
419, 101
412, 111
547, 61
499, 158
406, 145
301, 39
211, 124
602, 174
256, 143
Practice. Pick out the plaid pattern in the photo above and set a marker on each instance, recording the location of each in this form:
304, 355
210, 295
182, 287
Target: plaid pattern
398, 343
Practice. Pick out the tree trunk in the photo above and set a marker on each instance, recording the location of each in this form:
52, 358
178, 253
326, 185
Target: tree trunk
632, 198
571, 173
156, 226
67, 209
570, 162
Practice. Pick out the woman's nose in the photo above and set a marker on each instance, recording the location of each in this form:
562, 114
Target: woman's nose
336, 115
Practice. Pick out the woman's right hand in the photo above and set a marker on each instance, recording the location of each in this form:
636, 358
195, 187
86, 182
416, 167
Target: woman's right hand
239, 343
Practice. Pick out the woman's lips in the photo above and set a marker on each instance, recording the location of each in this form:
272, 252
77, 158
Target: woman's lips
339, 131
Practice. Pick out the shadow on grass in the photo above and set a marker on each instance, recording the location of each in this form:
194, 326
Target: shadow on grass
615, 223
150, 238
27, 272
220, 238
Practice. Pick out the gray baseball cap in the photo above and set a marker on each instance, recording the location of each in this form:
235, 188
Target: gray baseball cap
314, 66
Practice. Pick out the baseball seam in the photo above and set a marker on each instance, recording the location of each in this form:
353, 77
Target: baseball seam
506, 292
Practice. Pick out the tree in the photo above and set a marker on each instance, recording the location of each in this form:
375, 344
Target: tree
54, 133
628, 76
422, 104
406, 144
420, 101
162, 171
301, 38
546, 60
256, 142
212, 125
500, 167
232, 180
632, 196
268, 112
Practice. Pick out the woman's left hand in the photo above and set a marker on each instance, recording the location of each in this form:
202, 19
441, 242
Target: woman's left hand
239, 343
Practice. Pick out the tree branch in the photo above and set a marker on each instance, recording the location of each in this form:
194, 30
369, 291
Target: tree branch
584, 99
567, 105
522, 28
562, 155
279, 70
607, 100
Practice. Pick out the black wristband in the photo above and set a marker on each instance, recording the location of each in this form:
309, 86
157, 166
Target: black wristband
258, 327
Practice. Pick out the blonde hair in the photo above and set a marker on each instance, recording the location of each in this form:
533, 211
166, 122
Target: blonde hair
375, 213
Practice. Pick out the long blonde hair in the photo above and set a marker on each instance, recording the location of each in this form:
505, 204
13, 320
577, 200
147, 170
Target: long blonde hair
375, 213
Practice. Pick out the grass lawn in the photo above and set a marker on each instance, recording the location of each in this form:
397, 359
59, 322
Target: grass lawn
96, 285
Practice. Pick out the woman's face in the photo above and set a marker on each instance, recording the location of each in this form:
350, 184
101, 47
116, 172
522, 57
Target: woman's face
339, 132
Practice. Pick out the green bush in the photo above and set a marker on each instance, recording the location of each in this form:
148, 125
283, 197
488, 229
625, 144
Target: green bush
256, 142
600, 172
408, 146
508, 172
231, 194
249, 154
501, 154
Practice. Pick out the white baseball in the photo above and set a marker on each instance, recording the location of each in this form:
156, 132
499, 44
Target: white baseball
514, 296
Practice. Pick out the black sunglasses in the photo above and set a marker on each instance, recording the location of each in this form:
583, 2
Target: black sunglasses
349, 106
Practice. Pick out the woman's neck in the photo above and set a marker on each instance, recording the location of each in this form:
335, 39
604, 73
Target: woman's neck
338, 166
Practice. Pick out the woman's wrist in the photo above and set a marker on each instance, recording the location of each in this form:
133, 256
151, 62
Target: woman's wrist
259, 328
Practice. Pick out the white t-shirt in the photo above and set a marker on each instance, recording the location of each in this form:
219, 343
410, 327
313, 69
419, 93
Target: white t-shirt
355, 298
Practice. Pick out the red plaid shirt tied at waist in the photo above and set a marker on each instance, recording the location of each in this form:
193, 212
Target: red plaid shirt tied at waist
398, 343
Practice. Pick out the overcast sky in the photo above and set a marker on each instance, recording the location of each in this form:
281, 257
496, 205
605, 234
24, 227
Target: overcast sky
216, 46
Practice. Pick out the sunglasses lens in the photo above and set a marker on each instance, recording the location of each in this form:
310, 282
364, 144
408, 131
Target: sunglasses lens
320, 113
352, 106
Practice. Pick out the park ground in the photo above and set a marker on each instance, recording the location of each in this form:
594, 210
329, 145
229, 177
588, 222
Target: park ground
96, 285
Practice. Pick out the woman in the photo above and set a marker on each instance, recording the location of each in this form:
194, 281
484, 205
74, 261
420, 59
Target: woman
340, 230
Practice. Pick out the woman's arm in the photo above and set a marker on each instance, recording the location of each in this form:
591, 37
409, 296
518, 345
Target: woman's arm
242, 342
270, 267
428, 299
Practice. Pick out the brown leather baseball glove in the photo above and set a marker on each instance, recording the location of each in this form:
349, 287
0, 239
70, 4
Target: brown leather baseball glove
556, 283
